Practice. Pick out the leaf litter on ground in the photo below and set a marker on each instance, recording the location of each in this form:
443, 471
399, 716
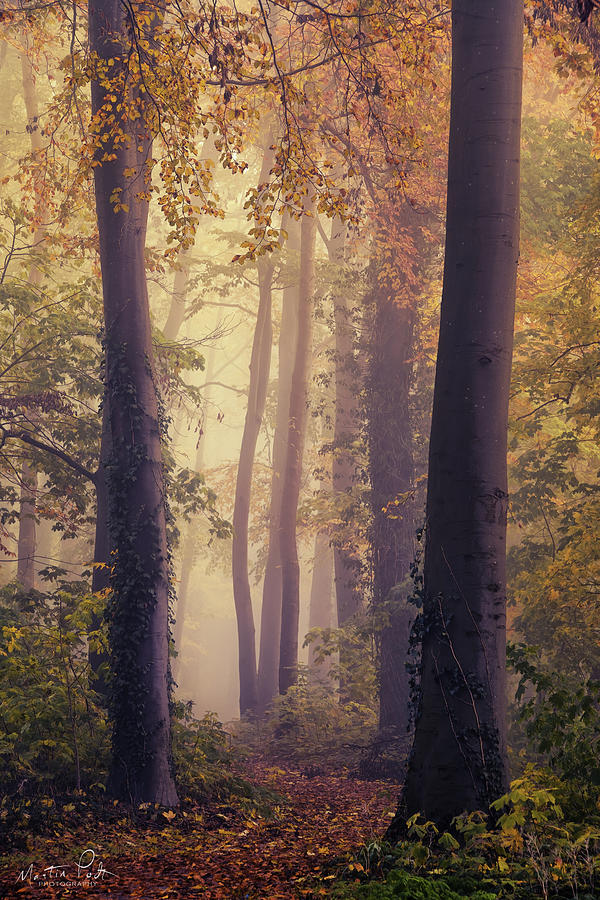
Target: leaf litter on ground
291, 843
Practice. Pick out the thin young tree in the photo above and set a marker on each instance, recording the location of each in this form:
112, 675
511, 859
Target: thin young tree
459, 755
28, 475
270, 621
346, 426
260, 367
292, 475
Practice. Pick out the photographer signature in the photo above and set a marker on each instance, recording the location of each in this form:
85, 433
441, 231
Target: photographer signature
88, 868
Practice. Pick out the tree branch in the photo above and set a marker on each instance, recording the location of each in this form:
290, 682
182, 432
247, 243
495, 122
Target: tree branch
55, 451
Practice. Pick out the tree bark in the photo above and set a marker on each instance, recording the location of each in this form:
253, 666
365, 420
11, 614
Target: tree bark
290, 568
138, 614
176, 313
189, 546
101, 567
27, 537
270, 621
320, 601
29, 477
347, 589
391, 476
459, 755
260, 365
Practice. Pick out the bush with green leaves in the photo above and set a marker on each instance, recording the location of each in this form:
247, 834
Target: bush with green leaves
54, 727
54, 732
310, 726
405, 886
204, 757
347, 654
561, 720
527, 848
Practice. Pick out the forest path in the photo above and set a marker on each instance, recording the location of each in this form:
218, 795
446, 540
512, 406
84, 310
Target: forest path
221, 852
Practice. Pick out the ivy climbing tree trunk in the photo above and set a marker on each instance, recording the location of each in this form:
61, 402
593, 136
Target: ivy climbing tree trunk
260, 365
292, 474
270, 620
141, 767
459, 755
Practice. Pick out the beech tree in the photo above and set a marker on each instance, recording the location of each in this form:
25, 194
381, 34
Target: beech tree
29, 477
346, 426
391, 471
141, 767
290, 568
458, 760
270, 621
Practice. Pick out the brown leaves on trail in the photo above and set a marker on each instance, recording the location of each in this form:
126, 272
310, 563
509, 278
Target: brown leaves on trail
293, 852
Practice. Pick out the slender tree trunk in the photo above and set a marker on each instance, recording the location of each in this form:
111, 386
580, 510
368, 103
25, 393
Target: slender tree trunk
290, 568
270, 622
391, 477
320, 601
29, 477
459, 755
141, 766
27, 541
347, 566
189, 544
260, 366
101, 567
320, 605
176, 314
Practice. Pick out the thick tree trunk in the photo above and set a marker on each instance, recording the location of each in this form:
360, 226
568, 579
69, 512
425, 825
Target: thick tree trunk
270, 621
260, 365
459, 755
391, 477
290, 568
141, 766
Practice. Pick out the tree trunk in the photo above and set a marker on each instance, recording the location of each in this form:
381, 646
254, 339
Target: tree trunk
138, 614
347, 590
320, 601
101, 567
29, 477
459, 755
176, 314
26, 546
260, 365
391, 476
297, 417
189, 545
270, 621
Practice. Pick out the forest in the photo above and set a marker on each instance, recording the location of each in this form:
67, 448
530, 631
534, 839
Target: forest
300, 449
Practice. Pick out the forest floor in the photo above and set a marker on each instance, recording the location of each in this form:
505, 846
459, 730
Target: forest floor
291, 845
